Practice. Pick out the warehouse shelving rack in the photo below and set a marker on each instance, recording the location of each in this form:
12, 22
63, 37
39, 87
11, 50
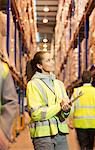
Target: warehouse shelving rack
80, 32
20, 83
80, 29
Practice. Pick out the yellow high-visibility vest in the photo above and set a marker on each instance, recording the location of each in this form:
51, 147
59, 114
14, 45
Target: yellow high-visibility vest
44, 107
84, 107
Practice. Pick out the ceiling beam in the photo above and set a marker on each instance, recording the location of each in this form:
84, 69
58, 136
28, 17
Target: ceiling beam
48, 35
46, 14
45, 29
49, 17
47, 2
49, 24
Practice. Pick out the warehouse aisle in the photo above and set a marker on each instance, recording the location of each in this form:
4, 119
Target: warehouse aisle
23, 141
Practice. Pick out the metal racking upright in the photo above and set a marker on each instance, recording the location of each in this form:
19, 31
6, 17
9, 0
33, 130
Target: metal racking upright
18, 34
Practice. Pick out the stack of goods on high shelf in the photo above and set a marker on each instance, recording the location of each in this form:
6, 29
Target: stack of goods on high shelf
28, 25
59, 65
28, 22
78, 8
71, 67
83, 55
92, 38
3, 18
60, 37
70, 15
61, 21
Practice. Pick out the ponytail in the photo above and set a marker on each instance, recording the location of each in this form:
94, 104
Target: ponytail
30, 69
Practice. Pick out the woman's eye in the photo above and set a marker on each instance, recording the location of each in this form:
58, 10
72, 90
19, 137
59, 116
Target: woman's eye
48, 60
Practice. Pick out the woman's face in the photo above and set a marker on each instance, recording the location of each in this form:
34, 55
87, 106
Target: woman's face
47, 65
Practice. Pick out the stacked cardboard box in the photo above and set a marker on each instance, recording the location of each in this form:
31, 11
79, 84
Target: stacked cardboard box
92, 38
81, 6
3, 33
74, 64
61, 21
11, 36
83, 55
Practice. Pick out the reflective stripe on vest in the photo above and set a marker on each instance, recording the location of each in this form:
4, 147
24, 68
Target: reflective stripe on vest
43, 115
83, 112
84, 117
42, 123
40, 87
78, 107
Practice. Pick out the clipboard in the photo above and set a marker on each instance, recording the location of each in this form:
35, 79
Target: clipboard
73, 100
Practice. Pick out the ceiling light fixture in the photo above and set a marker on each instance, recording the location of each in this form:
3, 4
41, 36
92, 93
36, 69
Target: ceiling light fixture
45, 40
45, 20
46, 9
44, 49
45, 45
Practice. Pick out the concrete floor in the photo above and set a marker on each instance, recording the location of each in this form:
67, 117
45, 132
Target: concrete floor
23, 141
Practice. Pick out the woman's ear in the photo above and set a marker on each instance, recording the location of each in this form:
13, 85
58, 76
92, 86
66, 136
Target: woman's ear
39, 66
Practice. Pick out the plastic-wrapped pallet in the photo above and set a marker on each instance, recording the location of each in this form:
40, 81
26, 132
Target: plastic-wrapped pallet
3, 23
57, 60
24, 65
92, 28
81, 6
63, 47
83, 56
75, 63
92, 55
3, 33
17, 52
92, 38
11, 53
60, 7
67, 36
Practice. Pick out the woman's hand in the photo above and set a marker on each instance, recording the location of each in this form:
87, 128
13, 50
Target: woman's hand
65, 105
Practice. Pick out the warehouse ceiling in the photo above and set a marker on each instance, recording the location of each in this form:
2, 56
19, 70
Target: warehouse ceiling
46, 30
